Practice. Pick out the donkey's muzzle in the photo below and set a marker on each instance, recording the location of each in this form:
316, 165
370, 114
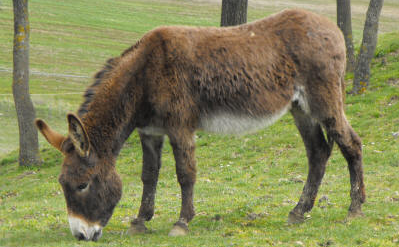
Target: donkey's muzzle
83, 230
82, 236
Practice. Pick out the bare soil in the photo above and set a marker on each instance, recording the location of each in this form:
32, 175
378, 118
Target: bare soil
389, 15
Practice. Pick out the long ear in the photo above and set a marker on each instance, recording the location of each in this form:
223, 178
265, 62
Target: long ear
54, 138
78, 135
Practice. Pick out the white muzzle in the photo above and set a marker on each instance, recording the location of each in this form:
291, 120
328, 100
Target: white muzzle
82, 230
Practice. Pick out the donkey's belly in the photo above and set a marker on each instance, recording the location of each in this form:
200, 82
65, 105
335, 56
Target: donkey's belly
231, 123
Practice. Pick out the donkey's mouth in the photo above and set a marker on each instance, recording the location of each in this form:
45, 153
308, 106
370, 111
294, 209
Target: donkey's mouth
96, 236
83, 230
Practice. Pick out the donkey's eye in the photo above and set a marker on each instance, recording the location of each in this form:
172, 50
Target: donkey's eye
82, 186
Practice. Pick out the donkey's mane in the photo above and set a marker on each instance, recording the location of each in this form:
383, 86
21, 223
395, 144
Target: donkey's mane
100, 77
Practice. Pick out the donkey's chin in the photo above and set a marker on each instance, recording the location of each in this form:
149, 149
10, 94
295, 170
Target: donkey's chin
83, 230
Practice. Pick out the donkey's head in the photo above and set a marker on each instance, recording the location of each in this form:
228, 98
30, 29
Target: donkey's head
91, 186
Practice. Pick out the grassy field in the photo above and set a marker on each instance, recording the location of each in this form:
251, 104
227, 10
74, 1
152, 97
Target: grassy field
246, 185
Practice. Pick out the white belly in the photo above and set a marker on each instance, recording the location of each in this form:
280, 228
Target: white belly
230, 123
227, 123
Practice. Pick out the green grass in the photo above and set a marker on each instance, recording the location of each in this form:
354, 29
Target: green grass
77, 37
254, 175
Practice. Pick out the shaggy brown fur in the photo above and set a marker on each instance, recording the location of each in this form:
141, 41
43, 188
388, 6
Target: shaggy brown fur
176, 80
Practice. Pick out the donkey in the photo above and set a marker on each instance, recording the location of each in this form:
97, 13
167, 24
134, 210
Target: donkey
177, 80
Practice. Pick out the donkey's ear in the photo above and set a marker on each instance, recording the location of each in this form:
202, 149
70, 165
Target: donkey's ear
54, 138
78, 135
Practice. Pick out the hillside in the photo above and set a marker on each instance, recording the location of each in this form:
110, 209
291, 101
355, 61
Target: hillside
246, 185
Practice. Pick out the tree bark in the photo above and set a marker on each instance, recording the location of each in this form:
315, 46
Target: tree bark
234, 12
28, 139
370, 35
344, 21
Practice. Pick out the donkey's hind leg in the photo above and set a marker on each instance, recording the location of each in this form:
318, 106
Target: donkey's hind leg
152, 150
351, 147
318, 151
329, 112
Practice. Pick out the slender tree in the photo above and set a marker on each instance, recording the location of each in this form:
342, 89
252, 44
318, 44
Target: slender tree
344, 21
28, 140
234, 12
369, 42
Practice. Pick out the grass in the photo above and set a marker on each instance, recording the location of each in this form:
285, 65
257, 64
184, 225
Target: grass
77, 37
246, 185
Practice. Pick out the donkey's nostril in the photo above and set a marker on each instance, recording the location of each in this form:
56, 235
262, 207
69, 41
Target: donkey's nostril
81, 237
97, 235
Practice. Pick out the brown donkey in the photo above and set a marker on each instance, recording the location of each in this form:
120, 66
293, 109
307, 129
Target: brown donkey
176, 80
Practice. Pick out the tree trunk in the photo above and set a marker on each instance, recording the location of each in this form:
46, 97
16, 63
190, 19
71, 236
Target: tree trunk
28, 140
234, 12
370, 34
344, 21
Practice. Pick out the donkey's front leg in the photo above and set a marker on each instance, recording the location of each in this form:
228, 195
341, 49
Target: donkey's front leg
183, 145
152, 150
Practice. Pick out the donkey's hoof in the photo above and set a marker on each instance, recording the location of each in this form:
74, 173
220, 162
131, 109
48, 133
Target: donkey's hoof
137, 228
179, 229
295, 218
354, 214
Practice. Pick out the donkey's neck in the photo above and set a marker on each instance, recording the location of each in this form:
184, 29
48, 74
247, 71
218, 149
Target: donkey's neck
109, 116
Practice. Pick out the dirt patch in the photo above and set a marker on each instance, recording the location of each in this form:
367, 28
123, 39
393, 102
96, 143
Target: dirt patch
388, 20
8, 194
26, 174
393, 82
393, 100
254, 216
357, 7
